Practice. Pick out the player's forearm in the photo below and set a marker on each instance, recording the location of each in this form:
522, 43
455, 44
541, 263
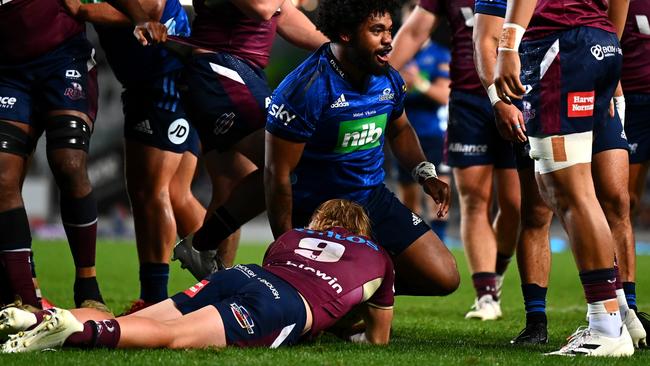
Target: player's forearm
298, 30
103, 13
487, 29
520, 11
617, 13
277, 190
439, 91
258, 9
133, 9
411, 36
378, 322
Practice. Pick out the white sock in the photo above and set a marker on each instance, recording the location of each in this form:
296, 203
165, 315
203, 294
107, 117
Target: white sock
605, 317
622, 304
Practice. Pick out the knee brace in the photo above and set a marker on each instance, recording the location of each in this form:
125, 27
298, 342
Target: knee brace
68, 132
558, 152
15, 141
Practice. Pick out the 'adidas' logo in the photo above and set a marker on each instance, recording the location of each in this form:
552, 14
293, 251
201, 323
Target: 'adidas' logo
144, 127
416, 219
340, 102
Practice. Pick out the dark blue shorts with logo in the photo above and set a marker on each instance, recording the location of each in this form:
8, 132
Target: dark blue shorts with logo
571, 77
472, 136
394, 226
154, 116
62, 79
224, 98
637, 126
258, 309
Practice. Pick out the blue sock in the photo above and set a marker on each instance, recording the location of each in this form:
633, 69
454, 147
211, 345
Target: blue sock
440, 228
153, 281
535, 302
630, 294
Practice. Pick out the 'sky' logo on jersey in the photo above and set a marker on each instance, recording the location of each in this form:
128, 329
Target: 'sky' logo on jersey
360, 134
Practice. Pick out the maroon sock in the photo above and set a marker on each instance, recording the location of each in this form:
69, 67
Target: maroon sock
618, 283
485, 283
599, 285
19, 275
502, 263
96, 334
79, 216
39, 318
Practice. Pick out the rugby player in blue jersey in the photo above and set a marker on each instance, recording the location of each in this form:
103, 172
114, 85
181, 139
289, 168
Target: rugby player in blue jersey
161, 146
326, 127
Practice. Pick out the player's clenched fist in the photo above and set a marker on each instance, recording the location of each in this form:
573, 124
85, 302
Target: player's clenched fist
150, 32
440, 192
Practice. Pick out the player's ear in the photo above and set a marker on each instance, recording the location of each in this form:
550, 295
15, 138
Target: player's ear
345, 37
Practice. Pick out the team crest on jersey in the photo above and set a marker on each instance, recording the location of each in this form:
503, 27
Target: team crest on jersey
360, 134
243, 317
75, 91
387, 94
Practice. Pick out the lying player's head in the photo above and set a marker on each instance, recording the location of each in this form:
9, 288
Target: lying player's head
363, 26
341, 213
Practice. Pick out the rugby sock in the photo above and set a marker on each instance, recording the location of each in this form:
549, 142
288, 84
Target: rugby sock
101, 333
79, 216
440, 228
15, 251
19, 275
215, 229
602, 309
5, 288
485, 283
502, 263
630, 294
620, 294
39, 295
86, 288
153, 281
534, 302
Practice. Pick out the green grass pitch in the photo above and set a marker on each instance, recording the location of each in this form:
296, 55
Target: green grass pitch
426, 331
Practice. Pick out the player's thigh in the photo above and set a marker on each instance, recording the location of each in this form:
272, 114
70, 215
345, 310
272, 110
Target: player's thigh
199, 329
181, 184
610, 171
149, 170
162, 311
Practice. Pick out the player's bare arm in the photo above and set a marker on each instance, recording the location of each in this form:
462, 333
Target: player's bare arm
147, 31
106, 14
281, 157
508, 68
436, 90
405, 145
378, 322
297, 29
509, 119
411, 36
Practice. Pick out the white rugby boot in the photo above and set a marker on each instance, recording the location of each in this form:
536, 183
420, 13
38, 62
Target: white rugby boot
51, 333
635, 328
589, 342
485, 308
14, 320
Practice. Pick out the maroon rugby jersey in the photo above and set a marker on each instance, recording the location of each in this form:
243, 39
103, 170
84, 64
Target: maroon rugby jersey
223, 27
31, 28
460, 14
333, 270
558, 15
635, 77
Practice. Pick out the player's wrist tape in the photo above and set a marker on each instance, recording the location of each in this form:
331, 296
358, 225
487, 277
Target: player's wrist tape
492, 94
511, 36
619, 103
422, 85
424, 171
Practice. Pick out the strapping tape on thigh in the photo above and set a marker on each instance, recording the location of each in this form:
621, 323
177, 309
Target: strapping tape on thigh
553, 153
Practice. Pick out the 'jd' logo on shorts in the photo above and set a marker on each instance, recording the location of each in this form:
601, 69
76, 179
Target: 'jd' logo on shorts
360, 134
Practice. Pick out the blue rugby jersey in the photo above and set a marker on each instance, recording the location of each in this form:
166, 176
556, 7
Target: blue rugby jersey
433, 62
343, 128
491, 7
133, 63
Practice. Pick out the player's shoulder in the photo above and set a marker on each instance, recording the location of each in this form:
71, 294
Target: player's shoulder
305, 81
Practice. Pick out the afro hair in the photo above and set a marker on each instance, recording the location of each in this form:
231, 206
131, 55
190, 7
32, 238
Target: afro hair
337, 16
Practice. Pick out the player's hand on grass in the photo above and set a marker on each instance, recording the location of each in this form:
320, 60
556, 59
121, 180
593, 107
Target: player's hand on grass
510, 122
441, 194
507, 77
150, 32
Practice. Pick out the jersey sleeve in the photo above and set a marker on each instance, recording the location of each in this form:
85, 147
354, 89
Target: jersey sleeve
491, 7
384, 297
432, 6
291, 112
400, 95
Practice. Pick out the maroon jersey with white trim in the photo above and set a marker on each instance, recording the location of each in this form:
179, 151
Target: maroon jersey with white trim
333, 270
31, 28
460, 14
223, 27
558, 15
635, 77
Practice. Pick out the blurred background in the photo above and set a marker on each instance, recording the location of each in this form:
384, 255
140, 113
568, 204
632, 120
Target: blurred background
106, 167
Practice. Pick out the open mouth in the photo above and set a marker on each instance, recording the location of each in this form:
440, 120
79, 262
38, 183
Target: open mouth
382, 56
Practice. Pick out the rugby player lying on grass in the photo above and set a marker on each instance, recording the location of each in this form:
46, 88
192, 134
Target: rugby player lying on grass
310, 278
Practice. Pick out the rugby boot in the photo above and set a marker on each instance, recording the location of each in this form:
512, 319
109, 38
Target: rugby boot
200, 263
14, 320
51, 333
589, 342
485, 308
635, 328
533, 333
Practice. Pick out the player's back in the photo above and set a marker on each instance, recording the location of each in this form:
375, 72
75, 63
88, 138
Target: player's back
559, 15
31, 28
221, 26
333, 270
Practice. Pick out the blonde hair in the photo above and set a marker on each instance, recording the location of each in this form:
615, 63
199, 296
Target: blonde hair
342, 213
